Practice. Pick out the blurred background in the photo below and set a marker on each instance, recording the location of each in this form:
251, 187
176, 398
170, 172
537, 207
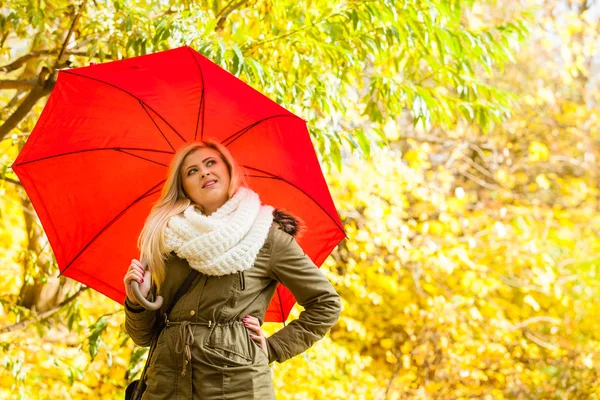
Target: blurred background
460, 139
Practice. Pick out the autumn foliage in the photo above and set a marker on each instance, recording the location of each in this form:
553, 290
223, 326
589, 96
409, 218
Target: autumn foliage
461, 142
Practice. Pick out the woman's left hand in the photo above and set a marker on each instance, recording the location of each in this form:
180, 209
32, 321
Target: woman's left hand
253, 324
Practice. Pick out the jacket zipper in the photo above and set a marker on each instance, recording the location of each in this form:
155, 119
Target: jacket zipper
242, 280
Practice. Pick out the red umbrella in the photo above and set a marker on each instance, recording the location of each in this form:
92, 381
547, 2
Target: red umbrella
98, 155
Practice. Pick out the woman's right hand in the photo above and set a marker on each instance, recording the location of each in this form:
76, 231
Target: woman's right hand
138, 273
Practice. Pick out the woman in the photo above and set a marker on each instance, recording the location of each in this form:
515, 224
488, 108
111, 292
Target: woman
213, 346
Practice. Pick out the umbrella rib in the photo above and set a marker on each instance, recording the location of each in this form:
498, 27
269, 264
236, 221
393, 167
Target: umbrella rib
201, 110
143, 196
143, 158
272, 176
149, 194
202, 104
119, 149
132, 95
240, 133
245, 130
157, 127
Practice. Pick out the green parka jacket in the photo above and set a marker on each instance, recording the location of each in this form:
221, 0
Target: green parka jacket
224, 362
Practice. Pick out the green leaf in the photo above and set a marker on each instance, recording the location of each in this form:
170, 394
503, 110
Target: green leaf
336, 154
363, 141
95, 338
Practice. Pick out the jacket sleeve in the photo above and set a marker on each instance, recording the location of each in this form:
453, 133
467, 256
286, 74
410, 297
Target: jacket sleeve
142, 324
312, 290
139, 322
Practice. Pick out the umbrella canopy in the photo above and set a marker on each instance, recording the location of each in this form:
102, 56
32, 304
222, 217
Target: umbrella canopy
98, 157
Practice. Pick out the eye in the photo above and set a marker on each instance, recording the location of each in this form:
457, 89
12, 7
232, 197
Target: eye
191, 170
210, 162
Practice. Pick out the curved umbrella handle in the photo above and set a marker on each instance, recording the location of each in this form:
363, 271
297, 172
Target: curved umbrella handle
135, 286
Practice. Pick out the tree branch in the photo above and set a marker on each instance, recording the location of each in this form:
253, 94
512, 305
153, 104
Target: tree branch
18, 63
539, 341
164, 14
18, 84
478, 167
484, 184
11, 181
224, 13
416, 275
46, 82
253, 45
537, 319
395, 373
75, 20
15, 99
22, 60
41, 316
3, 39
223, 9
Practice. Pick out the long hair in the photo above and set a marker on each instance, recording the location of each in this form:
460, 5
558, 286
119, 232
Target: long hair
172, 201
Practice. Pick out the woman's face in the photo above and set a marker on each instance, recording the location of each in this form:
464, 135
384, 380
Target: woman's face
205, 179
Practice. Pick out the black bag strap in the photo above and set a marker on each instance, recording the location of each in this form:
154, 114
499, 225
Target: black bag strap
185, 286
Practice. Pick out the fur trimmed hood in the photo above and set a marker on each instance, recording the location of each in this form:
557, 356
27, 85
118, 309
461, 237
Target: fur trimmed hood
289, 223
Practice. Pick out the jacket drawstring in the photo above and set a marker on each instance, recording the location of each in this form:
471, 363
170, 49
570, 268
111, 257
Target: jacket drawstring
184, 340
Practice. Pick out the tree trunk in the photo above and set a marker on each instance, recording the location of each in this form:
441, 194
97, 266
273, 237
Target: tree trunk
42, 288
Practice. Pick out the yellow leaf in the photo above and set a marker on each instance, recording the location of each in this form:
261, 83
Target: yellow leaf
406, 361
390, 357
538, 151
531, 301
542, 181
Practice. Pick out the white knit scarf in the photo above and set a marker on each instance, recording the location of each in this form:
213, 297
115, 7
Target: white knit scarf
225, 242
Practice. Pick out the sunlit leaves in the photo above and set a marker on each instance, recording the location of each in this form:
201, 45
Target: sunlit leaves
463, 295
327, 62
471, 264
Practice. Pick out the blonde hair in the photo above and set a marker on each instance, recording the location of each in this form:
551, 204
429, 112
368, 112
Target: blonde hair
172, 201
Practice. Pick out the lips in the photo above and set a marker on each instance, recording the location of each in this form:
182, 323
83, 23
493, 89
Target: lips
209, 183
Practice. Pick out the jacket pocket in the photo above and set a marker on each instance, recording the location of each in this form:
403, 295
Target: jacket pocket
226, 346
222, 357
261, 355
